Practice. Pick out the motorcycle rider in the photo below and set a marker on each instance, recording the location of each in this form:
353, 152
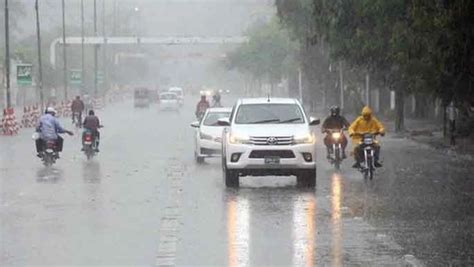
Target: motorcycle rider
202, 106
92, 124
366, 123
216, 99
77, 107
335, 121
49, 129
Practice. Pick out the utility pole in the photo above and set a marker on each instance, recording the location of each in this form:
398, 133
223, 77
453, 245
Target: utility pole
104, 48
64, 51
300, 86
83, 67
39, 83
95, 50
341, 83
7, 55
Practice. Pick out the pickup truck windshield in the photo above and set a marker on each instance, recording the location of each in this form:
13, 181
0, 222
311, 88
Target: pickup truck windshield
269, 114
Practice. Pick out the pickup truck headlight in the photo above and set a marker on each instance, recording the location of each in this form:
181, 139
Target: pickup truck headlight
238, 139
305, 139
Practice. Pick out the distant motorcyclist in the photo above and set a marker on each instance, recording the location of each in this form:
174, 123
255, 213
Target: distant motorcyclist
77, 107
49, 129
366, 123
88, 104
92, 124
335, 121
202, 106
216, 99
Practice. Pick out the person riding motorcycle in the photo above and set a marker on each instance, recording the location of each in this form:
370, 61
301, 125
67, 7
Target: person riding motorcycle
216, 100
202, 106
366, 123
49, 129
77, 107
92, 124
335, 121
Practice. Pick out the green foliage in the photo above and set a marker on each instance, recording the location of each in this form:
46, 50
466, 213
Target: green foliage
267, 55
415, 46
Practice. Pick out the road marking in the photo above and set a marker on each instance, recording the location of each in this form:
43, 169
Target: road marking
170, 222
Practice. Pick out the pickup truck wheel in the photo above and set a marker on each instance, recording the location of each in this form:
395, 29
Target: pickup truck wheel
307, 178
231, 177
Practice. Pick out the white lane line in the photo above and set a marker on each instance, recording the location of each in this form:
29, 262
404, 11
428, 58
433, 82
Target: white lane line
170, 222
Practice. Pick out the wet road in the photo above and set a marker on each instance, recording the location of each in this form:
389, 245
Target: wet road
143, 201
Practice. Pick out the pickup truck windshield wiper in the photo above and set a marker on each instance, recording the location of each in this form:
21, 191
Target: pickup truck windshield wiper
290, 120
264, 121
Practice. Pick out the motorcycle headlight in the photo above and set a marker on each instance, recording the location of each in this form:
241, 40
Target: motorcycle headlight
238, 139
305, 139
205, 136
336, 136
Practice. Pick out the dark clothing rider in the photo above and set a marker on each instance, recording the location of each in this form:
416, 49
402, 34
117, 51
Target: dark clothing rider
91, 123
335, 122
77, 108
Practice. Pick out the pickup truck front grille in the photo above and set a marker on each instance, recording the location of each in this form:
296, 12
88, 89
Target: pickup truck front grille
271, 140
260, 154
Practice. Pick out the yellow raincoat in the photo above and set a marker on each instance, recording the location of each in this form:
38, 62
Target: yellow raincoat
361, 125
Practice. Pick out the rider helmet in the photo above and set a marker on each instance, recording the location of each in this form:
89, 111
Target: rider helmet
50, 110
335, 110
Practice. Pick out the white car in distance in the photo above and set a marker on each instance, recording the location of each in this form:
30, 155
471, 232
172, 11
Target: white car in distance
169, 101
269, 137
208, 134
179, 92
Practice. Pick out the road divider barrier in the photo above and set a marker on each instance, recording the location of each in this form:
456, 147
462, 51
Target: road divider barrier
30, 116
9, 124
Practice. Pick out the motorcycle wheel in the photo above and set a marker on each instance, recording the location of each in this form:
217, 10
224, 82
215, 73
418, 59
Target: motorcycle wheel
337, 159
47, 160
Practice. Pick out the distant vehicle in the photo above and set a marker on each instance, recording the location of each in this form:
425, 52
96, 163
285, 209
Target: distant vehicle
179, 92
208, 137
142, 97
268, 136
169, 101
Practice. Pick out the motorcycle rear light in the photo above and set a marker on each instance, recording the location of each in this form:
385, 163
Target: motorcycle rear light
235, 157
307, 157
88, 138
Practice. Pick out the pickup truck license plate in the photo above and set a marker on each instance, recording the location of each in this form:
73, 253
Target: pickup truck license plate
272, 160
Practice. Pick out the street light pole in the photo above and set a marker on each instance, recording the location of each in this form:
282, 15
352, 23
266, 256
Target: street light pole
7, 55
95, 50
341, 81
39, 83
104, 50
83, 67
64, 51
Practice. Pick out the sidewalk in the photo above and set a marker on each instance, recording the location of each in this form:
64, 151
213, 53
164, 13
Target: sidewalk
431, 133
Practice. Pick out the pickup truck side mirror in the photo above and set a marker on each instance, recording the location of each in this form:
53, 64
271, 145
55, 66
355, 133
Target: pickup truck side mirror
314, 121
195, 124
223, 122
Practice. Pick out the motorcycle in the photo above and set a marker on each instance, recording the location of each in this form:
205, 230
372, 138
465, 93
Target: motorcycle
89, 144
77, 119
49, 155
367, 145
335, 153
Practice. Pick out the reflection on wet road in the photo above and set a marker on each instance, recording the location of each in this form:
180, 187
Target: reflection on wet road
238, 231
304, 226
110, 210
336, 228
